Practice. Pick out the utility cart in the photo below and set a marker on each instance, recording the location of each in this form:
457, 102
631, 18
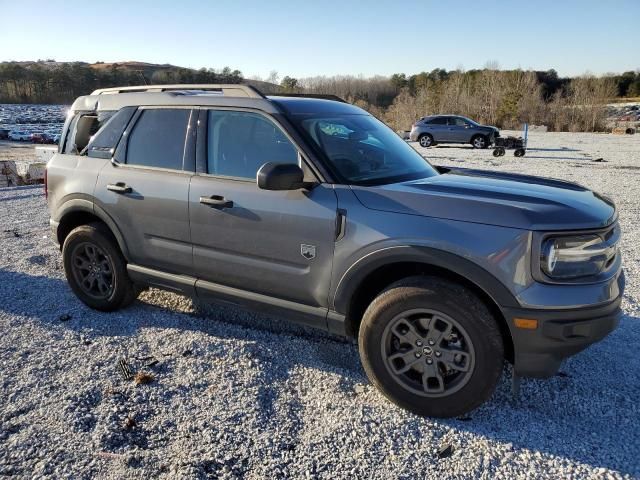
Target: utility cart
517, 144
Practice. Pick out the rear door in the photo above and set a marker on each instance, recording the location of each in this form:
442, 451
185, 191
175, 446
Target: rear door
276, 243
438, 129
146, 191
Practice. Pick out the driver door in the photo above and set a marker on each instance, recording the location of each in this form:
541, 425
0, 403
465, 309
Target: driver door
275, 243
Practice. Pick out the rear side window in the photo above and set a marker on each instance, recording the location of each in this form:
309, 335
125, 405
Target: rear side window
438, 121
105, 141
158, 138
239, 143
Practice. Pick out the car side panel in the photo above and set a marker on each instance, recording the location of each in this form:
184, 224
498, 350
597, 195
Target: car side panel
502, 252
70, 177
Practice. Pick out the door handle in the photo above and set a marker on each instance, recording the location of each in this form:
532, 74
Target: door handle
216, 201
119, 187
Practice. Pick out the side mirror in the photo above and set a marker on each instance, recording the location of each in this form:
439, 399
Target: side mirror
280, 176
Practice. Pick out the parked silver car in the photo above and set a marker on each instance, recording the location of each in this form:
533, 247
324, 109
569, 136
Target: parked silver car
452, 129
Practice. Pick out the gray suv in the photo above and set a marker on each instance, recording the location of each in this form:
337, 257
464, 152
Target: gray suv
312, 209
434, 129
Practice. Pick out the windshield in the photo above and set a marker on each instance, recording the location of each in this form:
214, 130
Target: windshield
364, 151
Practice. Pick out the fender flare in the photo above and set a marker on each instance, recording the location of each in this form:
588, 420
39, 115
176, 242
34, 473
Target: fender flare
80, 204
353, 277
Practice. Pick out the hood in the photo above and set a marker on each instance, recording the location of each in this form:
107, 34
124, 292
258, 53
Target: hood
504, 199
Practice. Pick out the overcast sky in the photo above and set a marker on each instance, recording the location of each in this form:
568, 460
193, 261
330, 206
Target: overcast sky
306, 38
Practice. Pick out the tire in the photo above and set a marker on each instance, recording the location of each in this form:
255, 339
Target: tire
479, 141
496, 152
519, 152
425, 140
417, 309
96, 269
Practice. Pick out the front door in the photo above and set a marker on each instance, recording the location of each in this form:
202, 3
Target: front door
275, 243
458, 130
147, 192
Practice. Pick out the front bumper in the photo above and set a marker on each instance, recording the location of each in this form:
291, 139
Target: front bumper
559, 334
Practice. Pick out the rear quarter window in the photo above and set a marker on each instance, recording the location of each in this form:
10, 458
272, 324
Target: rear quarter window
105, 141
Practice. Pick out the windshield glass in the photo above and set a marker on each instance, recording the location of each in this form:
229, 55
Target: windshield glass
363, 150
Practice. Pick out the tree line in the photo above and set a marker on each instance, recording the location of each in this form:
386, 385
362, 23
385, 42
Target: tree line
48, 82
504, 98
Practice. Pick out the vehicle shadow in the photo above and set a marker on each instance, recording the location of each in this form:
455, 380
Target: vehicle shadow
586, 415
561, 149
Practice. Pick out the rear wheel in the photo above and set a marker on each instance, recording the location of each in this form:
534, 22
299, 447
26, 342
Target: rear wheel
95, 268
425, 140
479, 141
519, 152
431, 346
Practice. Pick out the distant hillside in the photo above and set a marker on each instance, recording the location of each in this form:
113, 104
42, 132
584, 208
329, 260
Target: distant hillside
47, 81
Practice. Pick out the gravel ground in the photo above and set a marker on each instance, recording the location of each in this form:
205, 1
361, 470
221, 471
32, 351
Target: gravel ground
238, 395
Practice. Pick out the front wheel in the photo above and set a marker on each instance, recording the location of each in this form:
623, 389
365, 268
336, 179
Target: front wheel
479, 141
431, 346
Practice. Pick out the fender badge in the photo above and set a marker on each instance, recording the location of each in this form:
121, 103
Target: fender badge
308, 251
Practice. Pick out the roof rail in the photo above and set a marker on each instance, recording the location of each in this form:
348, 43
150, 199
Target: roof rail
311, 95
230, 90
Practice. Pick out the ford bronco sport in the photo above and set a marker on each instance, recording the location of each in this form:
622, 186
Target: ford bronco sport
313, 209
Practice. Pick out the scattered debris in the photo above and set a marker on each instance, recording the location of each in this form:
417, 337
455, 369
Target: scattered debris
599, 159
110, 456
13, 231
130, 423
153, 363
143, 378
359, 389
445, 451
125, 369
65, 317
186, 353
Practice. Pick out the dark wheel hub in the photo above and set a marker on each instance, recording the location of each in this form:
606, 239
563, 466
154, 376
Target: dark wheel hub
93, 270
428, 352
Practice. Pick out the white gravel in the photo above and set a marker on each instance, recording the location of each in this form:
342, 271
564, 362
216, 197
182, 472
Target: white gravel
237, 395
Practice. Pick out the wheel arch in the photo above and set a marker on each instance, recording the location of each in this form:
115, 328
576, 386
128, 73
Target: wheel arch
371, 275
79, 211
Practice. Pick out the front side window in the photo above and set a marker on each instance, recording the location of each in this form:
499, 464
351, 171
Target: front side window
158, 138
363, 150
458, 122
239, 143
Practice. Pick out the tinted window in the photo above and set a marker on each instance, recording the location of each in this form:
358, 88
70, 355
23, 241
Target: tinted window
458, 122
103, 143
158, 137
239, 143
438, 121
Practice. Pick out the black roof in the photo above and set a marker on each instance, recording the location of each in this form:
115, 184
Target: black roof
308, 105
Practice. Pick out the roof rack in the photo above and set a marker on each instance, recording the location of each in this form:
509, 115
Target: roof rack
229, 90
311, 95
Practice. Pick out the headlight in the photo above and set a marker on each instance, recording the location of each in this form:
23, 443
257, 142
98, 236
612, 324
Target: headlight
574, 257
